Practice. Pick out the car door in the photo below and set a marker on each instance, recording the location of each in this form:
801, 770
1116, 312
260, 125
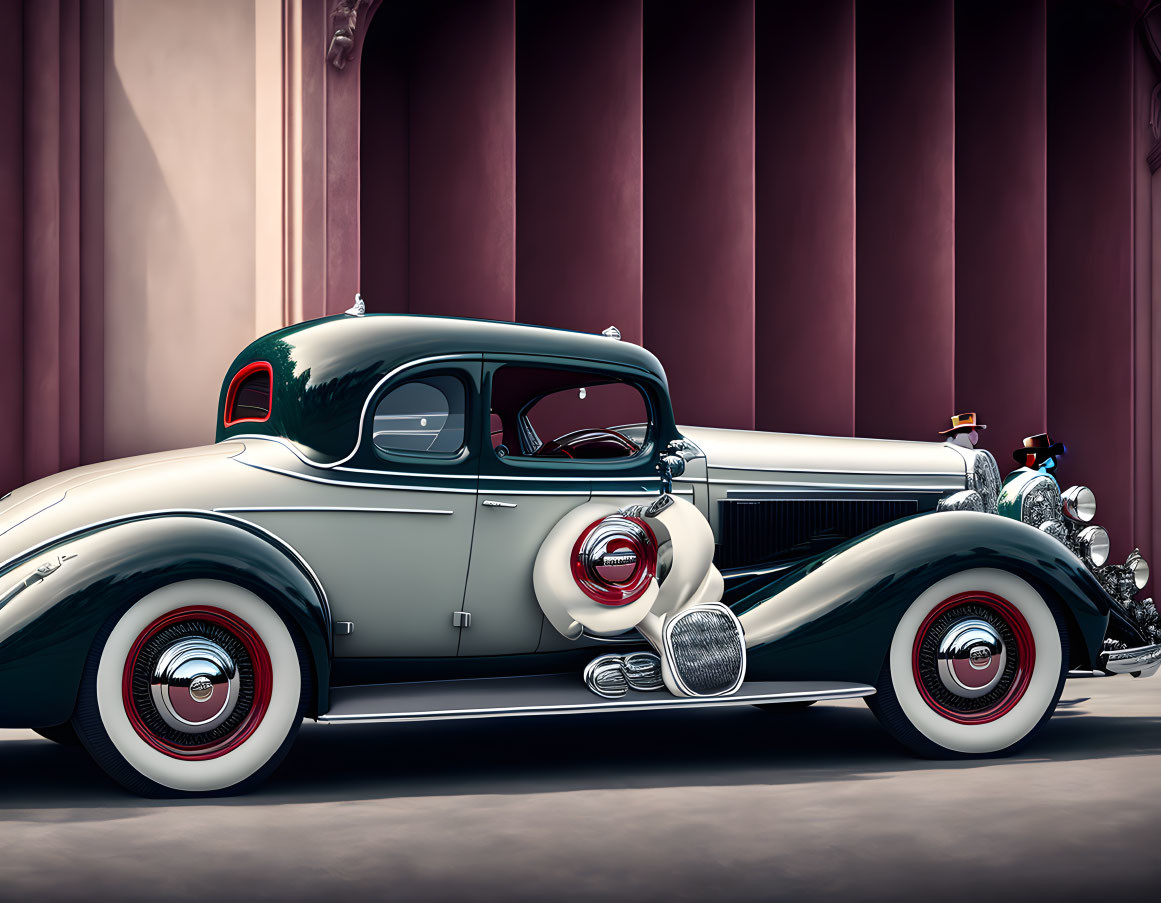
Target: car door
522, 494
406, 551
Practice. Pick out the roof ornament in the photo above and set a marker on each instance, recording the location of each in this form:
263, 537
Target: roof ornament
358, 309
612, 333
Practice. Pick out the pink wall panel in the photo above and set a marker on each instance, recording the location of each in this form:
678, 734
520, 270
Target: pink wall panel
578, 237
11, 246
1000, 219
1090, 265
699, 205
905, 285
462, 185
805, 212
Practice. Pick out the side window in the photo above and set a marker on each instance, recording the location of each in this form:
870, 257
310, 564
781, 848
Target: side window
423, 415
547, 413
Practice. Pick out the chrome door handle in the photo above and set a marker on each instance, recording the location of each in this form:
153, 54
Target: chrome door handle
489, 503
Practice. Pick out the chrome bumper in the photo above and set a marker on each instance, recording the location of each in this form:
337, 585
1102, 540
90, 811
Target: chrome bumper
1140, 662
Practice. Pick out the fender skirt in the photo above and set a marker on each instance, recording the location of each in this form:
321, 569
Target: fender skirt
55, 598
833, 618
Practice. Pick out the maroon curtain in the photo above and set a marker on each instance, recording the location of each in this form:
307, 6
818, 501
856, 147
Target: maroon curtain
51, 223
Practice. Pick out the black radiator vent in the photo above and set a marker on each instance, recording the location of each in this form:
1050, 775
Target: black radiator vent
753, 532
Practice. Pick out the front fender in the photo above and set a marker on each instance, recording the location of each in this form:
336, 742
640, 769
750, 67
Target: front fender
49, 618
834, 617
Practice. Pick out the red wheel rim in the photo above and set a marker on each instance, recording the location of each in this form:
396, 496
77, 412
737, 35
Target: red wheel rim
261, 679
1010, 621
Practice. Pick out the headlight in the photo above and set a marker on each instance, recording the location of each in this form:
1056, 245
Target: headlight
1079, 503
1139, 568
1041, 501
1094, 545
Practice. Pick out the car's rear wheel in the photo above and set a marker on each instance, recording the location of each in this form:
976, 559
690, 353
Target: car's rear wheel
976, 665
197, 689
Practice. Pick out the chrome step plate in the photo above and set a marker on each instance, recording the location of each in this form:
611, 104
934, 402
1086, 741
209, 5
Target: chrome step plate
557, 694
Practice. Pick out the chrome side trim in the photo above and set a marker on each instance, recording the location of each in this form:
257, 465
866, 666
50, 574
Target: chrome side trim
325, 509
313, 479
643, 493
580, 492
869, 487
862, 473
580, 700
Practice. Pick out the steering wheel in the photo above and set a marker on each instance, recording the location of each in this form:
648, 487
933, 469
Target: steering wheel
589, 443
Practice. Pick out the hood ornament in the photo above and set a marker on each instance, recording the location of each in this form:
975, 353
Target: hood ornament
612, 333
358, 309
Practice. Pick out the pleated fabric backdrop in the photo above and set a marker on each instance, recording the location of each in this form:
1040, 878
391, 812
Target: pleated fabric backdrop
822, 216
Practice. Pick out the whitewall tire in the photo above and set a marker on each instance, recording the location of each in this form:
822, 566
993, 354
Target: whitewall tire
976, 665
198, 688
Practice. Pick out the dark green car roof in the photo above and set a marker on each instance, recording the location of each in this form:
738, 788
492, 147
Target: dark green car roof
324, 370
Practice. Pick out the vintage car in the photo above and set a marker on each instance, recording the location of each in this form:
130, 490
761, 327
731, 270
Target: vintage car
408, 518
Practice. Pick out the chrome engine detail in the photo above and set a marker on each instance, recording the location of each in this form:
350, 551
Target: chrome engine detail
1041, 501
967, 500
1034, 497
984, 478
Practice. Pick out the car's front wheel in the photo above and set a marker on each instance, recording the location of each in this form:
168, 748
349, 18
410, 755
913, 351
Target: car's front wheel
976, 665
197, 689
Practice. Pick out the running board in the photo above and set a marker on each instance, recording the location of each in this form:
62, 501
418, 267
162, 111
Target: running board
555, 694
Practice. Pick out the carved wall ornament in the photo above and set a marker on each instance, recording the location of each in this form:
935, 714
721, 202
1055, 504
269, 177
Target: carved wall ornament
344, 25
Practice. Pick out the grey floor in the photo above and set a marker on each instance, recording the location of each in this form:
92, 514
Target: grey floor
722, 804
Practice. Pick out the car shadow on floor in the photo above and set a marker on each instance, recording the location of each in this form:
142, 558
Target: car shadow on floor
734, 746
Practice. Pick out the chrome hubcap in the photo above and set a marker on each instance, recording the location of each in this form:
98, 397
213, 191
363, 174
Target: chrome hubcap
195, 685
971, 658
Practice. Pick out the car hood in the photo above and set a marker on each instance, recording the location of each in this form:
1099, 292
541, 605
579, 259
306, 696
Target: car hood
742, 456
75, 498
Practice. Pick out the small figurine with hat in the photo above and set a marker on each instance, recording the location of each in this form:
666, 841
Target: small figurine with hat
1039, 453
963, 430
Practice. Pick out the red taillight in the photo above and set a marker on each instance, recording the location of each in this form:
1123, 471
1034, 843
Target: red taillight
251, 395
615, 559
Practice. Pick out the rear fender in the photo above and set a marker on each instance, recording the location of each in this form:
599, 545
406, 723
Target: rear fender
834, 617
55, 598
